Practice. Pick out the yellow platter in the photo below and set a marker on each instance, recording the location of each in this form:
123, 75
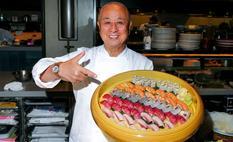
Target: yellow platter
115, 132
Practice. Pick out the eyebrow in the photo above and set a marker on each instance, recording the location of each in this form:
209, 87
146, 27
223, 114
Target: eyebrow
107, 18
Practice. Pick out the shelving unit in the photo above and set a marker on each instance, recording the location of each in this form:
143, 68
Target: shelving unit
10, 124
37, 98
18, 97
49, 116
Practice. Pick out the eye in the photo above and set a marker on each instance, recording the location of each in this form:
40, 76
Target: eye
120, 22
106, 23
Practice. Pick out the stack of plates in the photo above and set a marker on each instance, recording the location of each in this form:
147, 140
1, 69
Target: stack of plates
163, 38
189, 41
225, 43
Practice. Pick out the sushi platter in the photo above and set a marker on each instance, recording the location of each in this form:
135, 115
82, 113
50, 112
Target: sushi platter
146, 106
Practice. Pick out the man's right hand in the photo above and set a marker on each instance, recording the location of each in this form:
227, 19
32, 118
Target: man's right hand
73, 72
69, 71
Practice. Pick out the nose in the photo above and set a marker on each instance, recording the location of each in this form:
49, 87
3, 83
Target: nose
114, 27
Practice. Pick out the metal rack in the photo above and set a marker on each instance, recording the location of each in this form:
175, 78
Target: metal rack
16, 117
21, 96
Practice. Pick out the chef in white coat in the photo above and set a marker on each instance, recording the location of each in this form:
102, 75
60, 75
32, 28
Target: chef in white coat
87, 64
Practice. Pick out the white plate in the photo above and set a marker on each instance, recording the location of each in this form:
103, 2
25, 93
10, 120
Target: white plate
224, 40
221, 45
229, 43
189, 41
222, 132
164, 41
189, 36
188, 49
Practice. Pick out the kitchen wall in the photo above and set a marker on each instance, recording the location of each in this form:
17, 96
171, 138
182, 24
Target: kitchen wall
86, 27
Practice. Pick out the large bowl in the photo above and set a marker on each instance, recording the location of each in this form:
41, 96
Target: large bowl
115, 132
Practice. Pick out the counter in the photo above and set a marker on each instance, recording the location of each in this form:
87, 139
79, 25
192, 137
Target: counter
30, 88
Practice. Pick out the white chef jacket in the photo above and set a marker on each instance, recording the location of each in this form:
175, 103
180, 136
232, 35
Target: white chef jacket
97, 60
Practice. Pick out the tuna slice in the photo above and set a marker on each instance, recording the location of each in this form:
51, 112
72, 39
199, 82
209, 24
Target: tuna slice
142, 123
158, 121
107, 111
119, 116
146, 117
129, 119
154, 127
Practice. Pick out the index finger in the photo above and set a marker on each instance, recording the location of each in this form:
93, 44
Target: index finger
89, 73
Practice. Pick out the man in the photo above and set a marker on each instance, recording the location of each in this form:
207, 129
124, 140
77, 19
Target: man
87, 64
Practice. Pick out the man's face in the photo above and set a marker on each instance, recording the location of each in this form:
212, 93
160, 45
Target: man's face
114, 26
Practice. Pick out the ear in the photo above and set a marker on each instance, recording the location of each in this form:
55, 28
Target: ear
98, 24
130, 26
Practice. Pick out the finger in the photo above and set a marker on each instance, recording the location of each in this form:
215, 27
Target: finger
78, 80
69, 78
75, 79
88, 73
78, 57
80, 77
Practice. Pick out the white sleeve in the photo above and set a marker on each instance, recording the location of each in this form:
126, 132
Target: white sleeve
44, 63
149, 65
39, 68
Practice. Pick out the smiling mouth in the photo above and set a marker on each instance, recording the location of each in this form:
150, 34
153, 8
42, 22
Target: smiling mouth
113, 36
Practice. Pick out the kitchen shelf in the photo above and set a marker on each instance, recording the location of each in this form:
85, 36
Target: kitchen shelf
21, 48
19, 94
220, 68
215, 91
168, 68
185, 54
191, 55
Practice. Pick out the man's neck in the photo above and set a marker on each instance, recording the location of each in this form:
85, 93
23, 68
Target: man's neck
114, 51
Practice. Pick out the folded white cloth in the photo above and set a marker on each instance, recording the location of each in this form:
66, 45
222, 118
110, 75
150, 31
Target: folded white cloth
49, 140
49, 131
46, 113
45, 120
14, 86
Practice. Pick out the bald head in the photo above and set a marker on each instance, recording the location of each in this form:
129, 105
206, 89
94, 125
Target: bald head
114, 5
114, 24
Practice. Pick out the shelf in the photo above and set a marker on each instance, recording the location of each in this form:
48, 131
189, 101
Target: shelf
21, 48
215, 91
19, 94
168, 68
185, 55
23, 22
220, 68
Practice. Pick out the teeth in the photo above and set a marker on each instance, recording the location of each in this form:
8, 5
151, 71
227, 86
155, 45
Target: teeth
113, 36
